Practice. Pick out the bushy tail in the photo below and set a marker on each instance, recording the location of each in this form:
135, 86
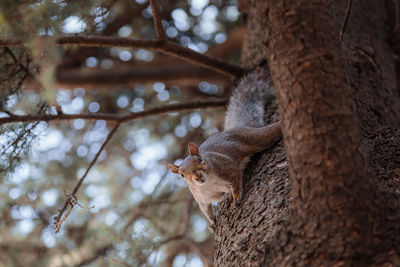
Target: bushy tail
252, 96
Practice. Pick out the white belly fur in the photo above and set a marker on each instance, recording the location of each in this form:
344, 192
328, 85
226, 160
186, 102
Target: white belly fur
211, 191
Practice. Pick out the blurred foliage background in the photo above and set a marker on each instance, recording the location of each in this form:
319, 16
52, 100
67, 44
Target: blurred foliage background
140, 209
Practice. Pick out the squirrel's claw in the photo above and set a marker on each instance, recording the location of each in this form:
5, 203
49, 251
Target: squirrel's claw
211, 227
237, 200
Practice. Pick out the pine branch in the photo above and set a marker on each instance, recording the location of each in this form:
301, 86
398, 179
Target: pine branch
117, 118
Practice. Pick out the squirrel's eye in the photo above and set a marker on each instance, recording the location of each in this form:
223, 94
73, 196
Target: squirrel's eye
199, 160
183, 176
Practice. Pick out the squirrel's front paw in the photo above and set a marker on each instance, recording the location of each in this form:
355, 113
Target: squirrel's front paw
235, 203
237, 199
211, 227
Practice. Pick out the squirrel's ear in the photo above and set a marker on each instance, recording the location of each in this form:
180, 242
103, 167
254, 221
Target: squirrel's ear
193, 149
173, 168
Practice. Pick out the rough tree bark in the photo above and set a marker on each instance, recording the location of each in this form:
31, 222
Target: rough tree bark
340, 106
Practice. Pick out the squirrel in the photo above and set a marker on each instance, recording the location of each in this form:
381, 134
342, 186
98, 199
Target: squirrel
216, 167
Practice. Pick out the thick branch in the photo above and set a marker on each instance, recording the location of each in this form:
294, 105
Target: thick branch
330, 187
230, 47
177, 50
170, 70
177, 73
162, 46
117, 118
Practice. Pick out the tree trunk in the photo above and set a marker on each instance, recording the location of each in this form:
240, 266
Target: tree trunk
340, 203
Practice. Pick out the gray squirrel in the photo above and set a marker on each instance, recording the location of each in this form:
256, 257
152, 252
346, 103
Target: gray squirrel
216, 167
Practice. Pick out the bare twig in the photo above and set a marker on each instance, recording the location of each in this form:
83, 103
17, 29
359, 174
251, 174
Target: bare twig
74, 200
60, 222
157, 20
346, 19
101, 251
11, 54
10, 42
120, 262
137, 211
186, 216
185, 226
168, 240
162, 46
196, 249
15, 70
17, 62
117, 118
57, 220
25, 68
185, 238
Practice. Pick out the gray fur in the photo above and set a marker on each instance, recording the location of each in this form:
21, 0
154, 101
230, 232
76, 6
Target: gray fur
250, 98
216, 167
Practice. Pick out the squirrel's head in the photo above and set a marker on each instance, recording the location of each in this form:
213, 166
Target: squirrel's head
193, 168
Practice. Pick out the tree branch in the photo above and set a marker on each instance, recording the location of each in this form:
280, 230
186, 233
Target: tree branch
166, 69
57, 220
157, 20
194, 246
185, 226
117, 118
162, 46
101, 251
177, 73
126, 11
10, 42
186, 216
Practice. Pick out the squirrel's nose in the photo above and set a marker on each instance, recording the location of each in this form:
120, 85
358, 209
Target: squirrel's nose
201, 178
